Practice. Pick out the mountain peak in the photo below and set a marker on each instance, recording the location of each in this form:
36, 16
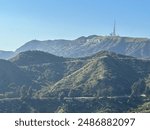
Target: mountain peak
35, 57
87, 46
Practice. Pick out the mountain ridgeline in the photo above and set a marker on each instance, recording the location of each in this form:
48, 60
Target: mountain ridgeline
6, 54
103, 82
87, 46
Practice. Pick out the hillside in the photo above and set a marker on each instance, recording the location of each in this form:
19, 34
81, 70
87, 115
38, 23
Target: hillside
105, 74
121, 82
12, 79
35, 57
87, 46
44, 68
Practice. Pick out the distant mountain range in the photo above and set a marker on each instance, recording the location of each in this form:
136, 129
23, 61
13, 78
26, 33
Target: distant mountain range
86, 46
6, 54
37, 81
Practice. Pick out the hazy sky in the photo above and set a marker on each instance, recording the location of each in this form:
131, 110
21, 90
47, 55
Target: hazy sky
24, 20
